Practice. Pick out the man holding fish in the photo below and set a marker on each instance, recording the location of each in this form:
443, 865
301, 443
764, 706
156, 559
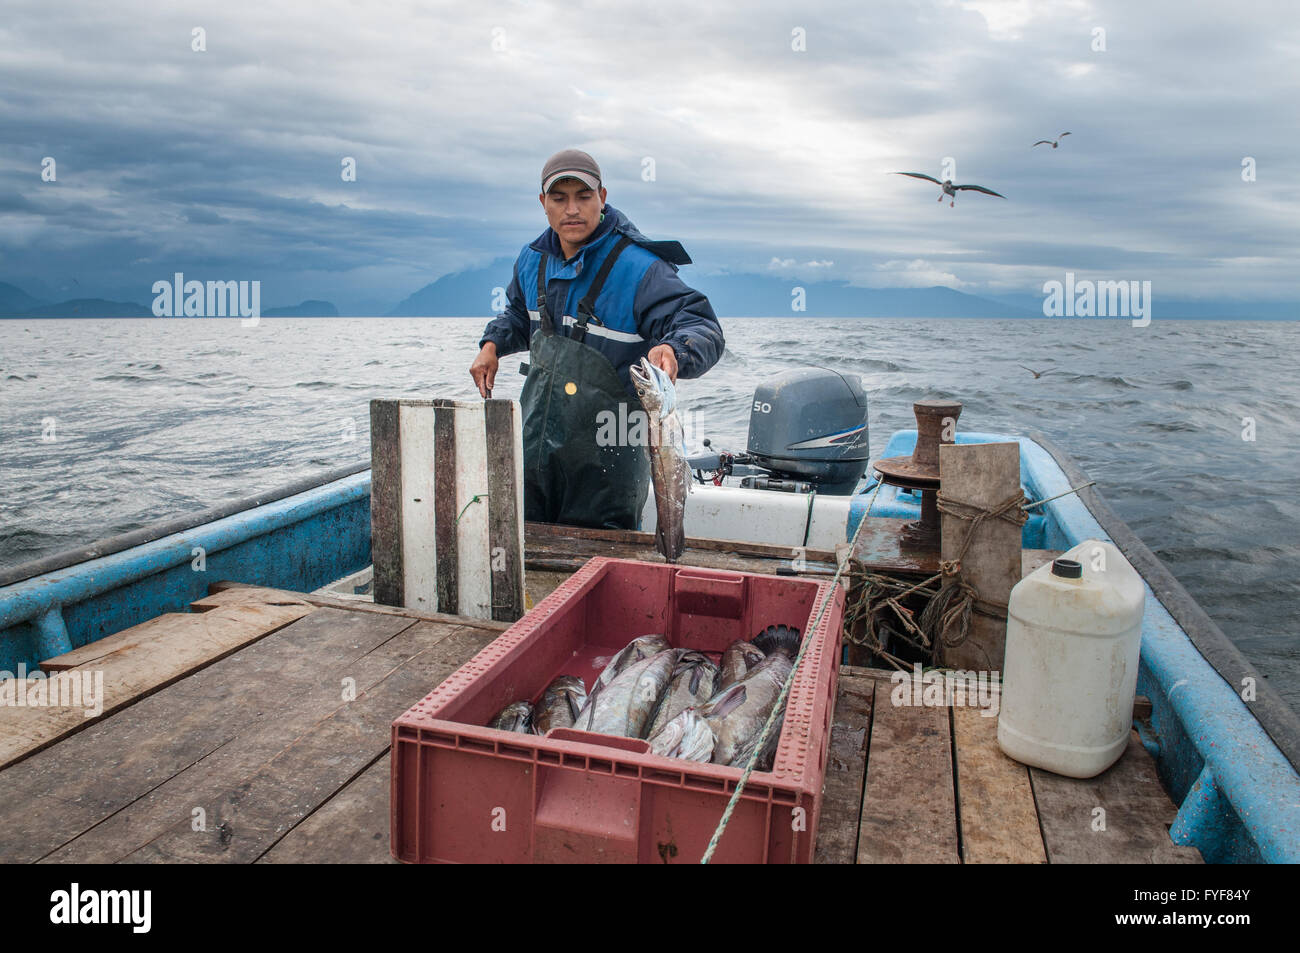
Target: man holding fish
605, 300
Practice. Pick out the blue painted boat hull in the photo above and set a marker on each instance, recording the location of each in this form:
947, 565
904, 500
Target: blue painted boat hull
1239, 791
301, 543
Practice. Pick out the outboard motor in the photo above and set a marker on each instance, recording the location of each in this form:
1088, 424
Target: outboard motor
810, 426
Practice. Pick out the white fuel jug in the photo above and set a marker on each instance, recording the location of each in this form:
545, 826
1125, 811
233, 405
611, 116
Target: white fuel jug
1074, 631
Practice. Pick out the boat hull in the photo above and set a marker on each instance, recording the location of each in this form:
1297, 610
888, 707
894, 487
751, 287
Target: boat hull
1229, 763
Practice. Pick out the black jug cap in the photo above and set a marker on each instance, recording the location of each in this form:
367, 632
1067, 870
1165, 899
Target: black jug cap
1067, 568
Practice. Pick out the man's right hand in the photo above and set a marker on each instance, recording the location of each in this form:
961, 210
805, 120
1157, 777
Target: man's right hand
484, 369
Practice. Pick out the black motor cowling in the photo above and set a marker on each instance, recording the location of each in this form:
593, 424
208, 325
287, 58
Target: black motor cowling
811, 424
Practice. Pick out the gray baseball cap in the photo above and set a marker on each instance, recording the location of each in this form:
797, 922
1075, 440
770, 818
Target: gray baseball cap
570, 163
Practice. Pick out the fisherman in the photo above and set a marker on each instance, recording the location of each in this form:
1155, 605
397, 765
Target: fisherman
603, 297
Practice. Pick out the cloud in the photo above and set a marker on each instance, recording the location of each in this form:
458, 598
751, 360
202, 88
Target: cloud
787, 266
916, 273
229, 160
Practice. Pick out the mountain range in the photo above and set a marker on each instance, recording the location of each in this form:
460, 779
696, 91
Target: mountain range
17, 303
476, 292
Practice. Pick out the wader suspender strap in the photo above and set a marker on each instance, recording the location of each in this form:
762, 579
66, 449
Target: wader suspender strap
588, 301
548, 326
585, 313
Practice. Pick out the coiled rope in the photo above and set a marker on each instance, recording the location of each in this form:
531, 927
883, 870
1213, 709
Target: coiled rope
956, 599
945, 620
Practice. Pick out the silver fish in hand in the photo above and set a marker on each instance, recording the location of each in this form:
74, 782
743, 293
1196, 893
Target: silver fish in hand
669, 470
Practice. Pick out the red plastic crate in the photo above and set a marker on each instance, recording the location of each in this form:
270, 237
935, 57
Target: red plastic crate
462, 792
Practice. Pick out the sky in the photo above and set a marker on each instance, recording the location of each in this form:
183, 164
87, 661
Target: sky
761, 135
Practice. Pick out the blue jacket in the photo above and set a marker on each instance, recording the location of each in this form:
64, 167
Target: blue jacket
643, 303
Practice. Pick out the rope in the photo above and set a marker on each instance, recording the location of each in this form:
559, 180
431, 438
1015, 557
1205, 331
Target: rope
945, 619
476, 498
957, 598
877, 594
779, 707
1073, 489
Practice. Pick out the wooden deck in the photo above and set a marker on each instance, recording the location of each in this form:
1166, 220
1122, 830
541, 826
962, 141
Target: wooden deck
257, 728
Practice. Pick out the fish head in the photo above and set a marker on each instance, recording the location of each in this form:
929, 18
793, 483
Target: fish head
648, 645
654, 387
517, 716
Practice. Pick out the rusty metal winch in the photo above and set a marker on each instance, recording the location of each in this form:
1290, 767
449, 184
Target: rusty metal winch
936, 424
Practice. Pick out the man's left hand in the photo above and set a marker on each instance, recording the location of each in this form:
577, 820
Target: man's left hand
662, 357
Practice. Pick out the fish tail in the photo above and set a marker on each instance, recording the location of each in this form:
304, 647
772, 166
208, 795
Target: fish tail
779, 638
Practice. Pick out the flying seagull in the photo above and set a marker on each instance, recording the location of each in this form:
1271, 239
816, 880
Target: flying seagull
950, 189
1051, 142
1037, 374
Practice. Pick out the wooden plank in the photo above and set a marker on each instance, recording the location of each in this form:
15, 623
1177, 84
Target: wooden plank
505, 508
539, 585
981, 475
134, 664
1141, 704
386, 502
420, 490
61, 792
474, 547
1141, 708
565, 558
995, 802
862, 671
318, 723
909, 815
1031, 559
352, 605
350, 828
249, 595
249, 813
1127, 799
288, 722
174, 625
448, 461
444, 505
321, 600
846, 763
588, 542
358, 585
37, 712
878, 547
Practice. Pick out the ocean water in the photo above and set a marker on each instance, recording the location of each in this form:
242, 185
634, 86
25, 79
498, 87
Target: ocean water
1189, 427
